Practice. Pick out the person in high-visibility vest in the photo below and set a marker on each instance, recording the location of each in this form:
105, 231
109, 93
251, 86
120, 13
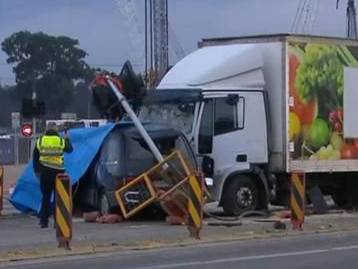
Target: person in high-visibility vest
47, 163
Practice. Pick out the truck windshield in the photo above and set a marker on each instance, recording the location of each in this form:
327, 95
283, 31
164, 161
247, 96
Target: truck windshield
173, 107
182, 145
178, 116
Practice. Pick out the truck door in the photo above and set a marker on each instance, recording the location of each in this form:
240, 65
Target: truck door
221, 135
218, 132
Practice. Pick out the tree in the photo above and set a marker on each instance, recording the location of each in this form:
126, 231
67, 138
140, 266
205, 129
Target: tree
47, 65
83, 104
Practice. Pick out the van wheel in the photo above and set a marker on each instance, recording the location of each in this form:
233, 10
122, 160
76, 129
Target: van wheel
104, 206
240, 195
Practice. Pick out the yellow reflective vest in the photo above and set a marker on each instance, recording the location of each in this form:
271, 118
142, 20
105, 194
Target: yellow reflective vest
50, 149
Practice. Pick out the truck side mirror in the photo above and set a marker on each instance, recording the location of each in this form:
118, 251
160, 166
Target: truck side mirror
207, 166
232, 99
186, 107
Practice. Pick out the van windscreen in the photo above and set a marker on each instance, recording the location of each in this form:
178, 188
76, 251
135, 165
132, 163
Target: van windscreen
139, 157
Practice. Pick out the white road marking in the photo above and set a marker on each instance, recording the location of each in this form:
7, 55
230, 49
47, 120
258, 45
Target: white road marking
182, 264
248, 258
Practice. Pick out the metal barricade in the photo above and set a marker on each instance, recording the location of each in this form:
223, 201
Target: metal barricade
171, 182
162, 180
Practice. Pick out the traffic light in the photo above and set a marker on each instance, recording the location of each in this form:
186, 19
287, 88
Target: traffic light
32, 108
27, 129
26, 108
133, 84
40, 109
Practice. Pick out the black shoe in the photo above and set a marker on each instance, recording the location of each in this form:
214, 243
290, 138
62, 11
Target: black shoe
43, 225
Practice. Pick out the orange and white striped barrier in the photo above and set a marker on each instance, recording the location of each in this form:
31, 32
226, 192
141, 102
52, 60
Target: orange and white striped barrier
298, 201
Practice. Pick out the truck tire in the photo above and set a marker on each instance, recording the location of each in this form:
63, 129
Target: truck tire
240, 195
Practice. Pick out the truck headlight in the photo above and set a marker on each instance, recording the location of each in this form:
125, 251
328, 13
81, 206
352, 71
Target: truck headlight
209, 182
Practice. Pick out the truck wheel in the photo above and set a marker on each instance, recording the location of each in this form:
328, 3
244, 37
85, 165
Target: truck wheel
240, 195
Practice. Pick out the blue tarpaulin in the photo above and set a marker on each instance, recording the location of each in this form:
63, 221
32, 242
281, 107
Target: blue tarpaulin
86, 143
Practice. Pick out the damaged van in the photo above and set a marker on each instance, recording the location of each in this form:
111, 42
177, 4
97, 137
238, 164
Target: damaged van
123, 156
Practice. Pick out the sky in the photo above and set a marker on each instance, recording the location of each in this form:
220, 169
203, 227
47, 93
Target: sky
105, 32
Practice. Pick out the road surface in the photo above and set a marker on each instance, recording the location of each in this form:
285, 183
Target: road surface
11, 175
8, 209
329, 251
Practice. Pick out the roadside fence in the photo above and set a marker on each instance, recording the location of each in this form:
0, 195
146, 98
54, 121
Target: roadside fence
16, 149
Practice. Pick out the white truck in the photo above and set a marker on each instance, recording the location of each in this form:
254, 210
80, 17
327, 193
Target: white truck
256, 109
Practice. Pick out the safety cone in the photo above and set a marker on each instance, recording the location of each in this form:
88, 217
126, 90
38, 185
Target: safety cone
11, 189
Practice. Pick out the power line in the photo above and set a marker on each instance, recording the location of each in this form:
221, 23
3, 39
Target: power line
107, 65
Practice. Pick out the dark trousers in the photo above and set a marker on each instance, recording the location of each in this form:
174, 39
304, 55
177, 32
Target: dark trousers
47, 186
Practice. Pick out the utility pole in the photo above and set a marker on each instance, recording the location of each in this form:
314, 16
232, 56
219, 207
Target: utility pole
157, 28
351, 19
160, 33
34, 99
156, 38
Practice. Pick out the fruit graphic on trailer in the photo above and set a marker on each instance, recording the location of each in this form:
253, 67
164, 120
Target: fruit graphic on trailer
318, 133
348, 152
306, 112
295, 125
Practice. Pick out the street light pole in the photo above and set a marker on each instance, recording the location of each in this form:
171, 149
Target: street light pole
34, 98
34, 129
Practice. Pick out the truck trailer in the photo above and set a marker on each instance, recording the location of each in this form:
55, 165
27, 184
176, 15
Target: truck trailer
256, 109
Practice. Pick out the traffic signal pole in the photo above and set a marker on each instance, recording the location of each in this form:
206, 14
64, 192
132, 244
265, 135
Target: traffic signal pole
16, 145
135, 120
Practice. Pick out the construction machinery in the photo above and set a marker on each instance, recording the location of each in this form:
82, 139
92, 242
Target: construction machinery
305, 17
154, 41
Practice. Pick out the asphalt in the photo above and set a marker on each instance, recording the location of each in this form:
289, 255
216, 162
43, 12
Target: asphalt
21, 238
